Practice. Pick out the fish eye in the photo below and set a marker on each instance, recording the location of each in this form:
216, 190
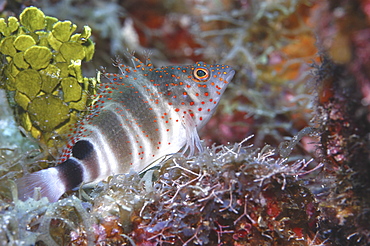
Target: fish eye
201, 73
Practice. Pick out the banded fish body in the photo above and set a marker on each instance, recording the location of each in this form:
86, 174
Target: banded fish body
141, 114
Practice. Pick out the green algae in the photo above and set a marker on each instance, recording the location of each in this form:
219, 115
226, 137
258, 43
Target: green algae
19, 61
62, 31
7, 47
43, 66
48, 111
28, 82
7, 28
50, 78
71, 89
23, 42
38, 56
32, 19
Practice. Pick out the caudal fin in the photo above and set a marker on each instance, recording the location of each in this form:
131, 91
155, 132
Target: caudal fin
51, 186
53, 182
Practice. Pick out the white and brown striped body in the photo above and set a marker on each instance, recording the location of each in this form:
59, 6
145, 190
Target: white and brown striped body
141, 115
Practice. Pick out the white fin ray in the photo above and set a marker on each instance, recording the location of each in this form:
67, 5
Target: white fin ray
192, 137
51, 186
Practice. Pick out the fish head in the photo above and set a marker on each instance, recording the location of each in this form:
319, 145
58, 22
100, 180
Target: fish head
198, 89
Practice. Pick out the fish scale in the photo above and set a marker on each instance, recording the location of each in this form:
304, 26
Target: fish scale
140, 115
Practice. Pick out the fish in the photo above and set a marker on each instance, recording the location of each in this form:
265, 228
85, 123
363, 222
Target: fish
141, 115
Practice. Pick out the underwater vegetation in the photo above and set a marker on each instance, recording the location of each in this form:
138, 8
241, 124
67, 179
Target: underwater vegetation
43, 72
343, 111
246, 195
300, 65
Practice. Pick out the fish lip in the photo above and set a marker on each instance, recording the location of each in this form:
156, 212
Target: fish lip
230, 75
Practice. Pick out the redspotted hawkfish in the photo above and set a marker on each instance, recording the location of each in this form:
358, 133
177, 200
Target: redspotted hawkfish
141, 115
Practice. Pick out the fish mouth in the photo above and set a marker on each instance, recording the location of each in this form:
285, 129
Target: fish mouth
230, 74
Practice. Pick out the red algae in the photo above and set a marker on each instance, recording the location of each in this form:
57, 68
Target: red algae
343, 113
